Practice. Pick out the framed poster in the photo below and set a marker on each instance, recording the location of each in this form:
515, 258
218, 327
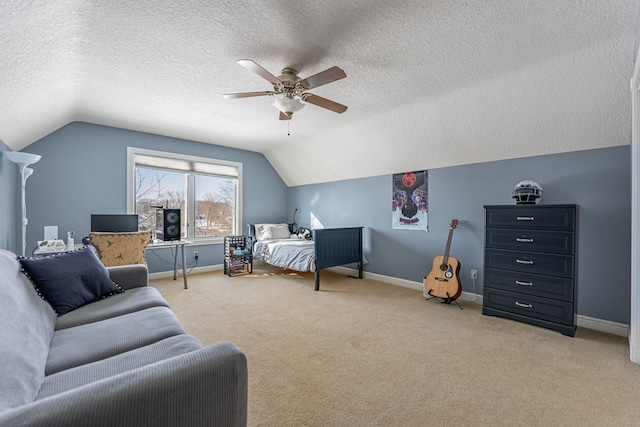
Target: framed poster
410, 201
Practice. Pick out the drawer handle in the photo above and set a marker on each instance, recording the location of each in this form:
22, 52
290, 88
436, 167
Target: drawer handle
525, 218
519, 304
518, 282
522, 240
524, 261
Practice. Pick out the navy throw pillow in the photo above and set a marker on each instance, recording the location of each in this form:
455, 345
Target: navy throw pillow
71, 279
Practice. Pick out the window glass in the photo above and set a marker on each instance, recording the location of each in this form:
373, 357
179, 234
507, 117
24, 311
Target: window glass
157, 188
207, 192
215, 205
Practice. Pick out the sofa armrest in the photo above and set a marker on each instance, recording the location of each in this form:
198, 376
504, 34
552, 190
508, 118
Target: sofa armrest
130, 276
202, 388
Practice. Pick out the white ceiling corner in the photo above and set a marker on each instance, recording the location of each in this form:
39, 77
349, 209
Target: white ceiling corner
429, 83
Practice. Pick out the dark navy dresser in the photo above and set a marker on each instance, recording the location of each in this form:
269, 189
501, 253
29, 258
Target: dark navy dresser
530, 264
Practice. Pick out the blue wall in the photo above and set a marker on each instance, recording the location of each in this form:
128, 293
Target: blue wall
83, 171
8, 202
596, 180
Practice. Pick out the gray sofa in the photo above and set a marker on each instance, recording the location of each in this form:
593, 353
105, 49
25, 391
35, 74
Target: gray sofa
124, 360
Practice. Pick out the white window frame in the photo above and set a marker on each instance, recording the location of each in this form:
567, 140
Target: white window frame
132, 152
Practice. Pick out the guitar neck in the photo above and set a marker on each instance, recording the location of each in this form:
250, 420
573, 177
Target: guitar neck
445, 257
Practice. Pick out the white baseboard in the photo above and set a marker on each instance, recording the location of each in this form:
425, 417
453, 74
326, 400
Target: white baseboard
418, 286
601, 325
194, 270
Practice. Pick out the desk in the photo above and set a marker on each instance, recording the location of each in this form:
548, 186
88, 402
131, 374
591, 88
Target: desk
159, 245
170, 244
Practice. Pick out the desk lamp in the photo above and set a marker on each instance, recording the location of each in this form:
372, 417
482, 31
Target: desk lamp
23, 160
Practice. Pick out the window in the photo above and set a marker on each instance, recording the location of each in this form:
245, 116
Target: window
207, 191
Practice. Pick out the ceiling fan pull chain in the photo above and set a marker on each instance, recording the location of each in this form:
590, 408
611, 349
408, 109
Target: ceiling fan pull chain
288, 122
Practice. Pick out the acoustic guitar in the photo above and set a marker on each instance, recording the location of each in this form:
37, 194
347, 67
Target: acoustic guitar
443, 280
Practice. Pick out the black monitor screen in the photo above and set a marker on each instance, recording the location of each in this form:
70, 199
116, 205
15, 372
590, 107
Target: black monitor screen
114, 223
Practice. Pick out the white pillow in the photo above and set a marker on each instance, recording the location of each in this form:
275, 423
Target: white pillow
272, 231
259, 230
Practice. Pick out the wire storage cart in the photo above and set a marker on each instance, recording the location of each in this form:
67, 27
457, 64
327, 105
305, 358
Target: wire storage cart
238, 255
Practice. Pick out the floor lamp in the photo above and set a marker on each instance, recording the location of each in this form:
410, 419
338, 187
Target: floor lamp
23, 160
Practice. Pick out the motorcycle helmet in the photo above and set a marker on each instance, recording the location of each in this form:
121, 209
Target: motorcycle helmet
527, 192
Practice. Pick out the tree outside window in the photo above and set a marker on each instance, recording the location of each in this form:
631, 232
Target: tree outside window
215, 205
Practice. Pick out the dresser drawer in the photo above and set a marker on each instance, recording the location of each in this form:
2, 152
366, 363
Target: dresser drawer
529, 262
560, 242
531, 217
530, 306
531, 284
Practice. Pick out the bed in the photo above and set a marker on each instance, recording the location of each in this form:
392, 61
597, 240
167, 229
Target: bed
330, 247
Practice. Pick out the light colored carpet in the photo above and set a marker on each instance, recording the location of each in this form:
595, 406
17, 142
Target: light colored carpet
365, 353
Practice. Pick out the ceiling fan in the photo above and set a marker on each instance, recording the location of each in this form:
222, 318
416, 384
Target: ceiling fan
289, 89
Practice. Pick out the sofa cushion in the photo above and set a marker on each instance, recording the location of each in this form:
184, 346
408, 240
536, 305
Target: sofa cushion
128, 302
88, 343
71, 279
91, 372
27, 327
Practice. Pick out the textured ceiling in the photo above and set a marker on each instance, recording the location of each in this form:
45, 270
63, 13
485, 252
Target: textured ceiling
429, 83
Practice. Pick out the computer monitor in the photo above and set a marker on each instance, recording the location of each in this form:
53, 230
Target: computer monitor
114, 223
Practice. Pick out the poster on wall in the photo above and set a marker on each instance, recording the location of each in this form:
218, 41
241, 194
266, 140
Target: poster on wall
410, 201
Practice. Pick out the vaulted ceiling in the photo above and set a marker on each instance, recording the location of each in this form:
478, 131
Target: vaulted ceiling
430, 83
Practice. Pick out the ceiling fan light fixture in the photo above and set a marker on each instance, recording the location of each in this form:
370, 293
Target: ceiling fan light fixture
288, 105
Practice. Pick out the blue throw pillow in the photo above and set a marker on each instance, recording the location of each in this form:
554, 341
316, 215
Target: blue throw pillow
71, 279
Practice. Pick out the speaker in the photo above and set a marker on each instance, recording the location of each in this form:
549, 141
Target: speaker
168, 224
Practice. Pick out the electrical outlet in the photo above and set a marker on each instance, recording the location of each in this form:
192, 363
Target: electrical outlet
474, 274
195, 254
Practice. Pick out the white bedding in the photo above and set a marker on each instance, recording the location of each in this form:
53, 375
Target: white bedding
292, 254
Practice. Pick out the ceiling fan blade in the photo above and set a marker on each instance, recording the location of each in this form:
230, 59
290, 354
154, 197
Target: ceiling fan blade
322, 78
252, 66
284, 116
325, 103
246, 94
